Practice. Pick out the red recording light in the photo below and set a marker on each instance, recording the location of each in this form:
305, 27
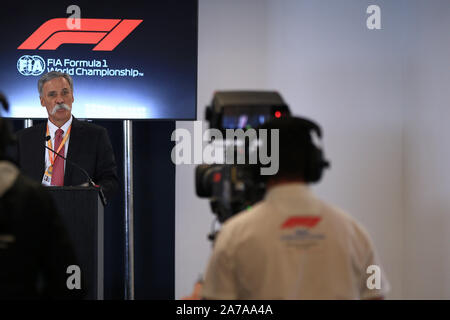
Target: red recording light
217, 177
277, 114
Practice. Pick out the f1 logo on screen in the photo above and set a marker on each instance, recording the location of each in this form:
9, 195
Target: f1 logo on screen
106, 33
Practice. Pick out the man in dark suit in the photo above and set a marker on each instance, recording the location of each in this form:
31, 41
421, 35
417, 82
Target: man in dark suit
81, 142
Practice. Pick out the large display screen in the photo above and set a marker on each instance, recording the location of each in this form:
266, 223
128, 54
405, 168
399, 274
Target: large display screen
127, 60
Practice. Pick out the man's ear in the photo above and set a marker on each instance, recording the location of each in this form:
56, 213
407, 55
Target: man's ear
42, 101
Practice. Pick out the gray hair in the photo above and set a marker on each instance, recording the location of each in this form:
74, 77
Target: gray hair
52, 75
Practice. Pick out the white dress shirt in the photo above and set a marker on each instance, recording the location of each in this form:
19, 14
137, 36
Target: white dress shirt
52, 131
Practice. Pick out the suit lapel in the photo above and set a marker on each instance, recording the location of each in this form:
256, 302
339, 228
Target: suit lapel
37, 146
75, 148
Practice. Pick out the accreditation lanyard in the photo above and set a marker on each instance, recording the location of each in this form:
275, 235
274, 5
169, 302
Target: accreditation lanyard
52, 156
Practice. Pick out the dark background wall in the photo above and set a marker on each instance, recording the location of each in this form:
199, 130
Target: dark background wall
154, 211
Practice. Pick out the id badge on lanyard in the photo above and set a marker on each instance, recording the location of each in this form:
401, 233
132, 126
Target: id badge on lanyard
47, 180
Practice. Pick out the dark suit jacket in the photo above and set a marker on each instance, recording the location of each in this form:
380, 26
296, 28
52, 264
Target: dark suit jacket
89, 147
34, 264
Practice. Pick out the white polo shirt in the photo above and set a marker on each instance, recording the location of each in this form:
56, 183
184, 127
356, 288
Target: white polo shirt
292, 246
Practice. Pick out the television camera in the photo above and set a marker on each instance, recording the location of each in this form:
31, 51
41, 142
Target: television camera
235, 187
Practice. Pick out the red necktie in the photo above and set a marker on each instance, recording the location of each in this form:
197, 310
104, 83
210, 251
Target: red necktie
58, 165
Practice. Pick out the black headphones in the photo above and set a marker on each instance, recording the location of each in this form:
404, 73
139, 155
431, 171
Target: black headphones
6, 136
316, 162
304, 133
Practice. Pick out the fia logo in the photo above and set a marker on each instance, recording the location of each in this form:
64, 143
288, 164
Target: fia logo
30, 65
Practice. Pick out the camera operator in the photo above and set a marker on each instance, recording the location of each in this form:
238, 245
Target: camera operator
35, 250
292, 245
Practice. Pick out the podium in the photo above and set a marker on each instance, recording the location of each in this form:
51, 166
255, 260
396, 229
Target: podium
82, 214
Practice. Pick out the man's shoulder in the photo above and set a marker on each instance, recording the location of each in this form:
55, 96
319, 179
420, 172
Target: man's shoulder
87, 125
83, 128
244, 221
336, 213
35, 129
25, 188
345, 221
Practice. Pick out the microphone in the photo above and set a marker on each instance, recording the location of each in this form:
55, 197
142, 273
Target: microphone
102, 195
4, 102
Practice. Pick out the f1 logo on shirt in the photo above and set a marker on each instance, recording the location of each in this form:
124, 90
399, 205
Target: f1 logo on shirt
296, 231
106, 33
301, 221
